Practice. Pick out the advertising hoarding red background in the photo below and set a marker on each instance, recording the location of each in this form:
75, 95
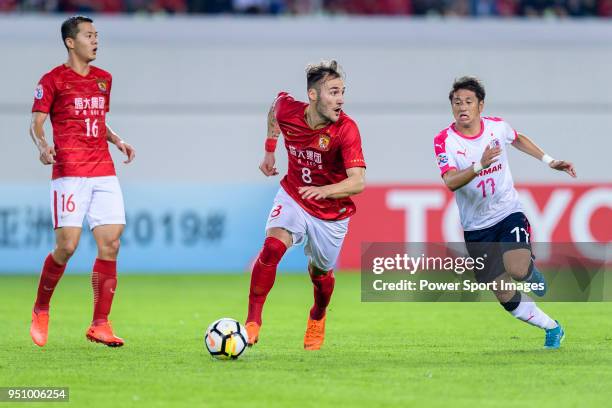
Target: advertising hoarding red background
428, 213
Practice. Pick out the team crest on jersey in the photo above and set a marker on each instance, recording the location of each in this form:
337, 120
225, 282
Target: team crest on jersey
324, 141
39, 92
102, 85
442, 159
494, 143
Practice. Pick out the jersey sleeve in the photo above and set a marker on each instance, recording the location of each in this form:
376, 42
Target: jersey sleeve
282, 104
445, 159
44, 95
510, 134
352, 153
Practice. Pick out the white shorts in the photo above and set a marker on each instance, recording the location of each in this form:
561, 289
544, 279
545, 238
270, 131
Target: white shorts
323, 238
98, 198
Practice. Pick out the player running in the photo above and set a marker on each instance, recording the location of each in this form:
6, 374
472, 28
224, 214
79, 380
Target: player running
472, 157
77, 97
326, 167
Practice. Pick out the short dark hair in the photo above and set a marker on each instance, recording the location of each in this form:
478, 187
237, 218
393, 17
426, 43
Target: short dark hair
70, 27
322, 70
471, 84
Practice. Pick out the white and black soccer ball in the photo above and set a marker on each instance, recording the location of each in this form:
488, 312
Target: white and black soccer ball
226, 339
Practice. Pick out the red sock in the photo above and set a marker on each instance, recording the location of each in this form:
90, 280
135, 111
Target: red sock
323, 289
49, 277
104, 282
262, 278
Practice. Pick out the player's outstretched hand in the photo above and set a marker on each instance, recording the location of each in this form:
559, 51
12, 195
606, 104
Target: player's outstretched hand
128, 150
47, 155
490, 156
316, 193
267, 165
563, 165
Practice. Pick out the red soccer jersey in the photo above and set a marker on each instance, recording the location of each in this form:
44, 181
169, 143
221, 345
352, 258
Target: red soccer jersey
318, 157
77, 105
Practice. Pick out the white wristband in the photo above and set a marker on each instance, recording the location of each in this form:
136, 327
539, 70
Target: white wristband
547, 159
477, 167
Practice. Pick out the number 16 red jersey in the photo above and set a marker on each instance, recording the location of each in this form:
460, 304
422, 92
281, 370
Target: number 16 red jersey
318, 157
77, 106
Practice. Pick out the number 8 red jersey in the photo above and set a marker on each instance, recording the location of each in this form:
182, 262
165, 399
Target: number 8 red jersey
318, 157
77, 106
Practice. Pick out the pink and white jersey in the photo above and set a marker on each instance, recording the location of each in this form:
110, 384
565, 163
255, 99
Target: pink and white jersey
491, 196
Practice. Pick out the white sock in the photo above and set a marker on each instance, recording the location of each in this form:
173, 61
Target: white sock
529, 312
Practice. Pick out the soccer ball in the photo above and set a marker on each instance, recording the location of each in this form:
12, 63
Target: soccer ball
226, 339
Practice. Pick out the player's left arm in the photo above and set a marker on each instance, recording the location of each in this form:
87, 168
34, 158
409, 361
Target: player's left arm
526, 145
353, 184
125, 148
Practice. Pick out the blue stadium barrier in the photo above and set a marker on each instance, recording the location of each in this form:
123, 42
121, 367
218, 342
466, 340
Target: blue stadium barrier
170, 228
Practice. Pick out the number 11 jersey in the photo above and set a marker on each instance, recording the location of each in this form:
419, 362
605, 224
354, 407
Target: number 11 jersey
490, 196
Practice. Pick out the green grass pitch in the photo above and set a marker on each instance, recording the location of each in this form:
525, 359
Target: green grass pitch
375, 354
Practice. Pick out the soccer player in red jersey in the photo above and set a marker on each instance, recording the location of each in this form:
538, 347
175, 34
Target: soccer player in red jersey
77, 95
326, 167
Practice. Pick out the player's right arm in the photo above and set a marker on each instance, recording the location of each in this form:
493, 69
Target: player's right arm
267, 165
455, 179
37, 133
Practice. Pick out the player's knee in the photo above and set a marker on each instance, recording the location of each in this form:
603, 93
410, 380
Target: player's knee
114, 246
272, 252
66, 248
110, 248
518, 268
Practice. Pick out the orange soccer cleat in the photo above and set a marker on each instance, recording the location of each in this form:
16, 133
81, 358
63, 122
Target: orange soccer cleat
103, 333
252, 329
39, 330
315, 334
